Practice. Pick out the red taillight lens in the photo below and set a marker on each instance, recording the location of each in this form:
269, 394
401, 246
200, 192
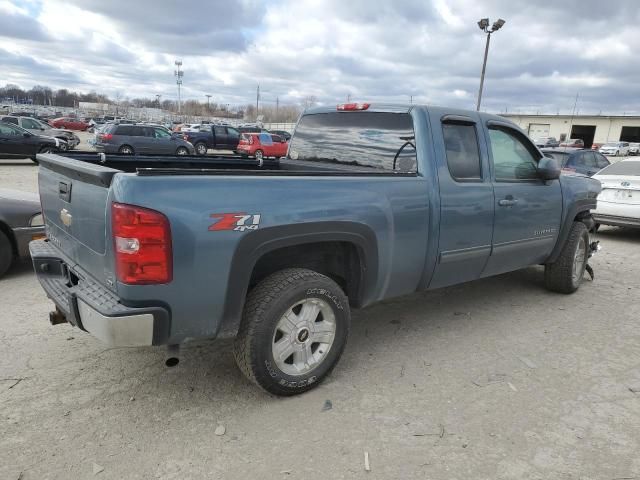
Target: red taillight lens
142, 244
185, 137
105, 137
347, 107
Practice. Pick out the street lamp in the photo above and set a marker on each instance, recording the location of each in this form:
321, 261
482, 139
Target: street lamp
178, 74
484, 26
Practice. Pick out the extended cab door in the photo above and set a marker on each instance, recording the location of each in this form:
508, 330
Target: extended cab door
220, 137
528, 210
466, 198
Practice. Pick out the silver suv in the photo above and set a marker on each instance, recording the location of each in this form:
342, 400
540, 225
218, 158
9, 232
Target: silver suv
141, 139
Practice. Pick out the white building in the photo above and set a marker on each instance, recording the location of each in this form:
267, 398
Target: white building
590, 128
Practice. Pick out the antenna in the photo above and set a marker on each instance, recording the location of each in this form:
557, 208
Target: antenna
571, 121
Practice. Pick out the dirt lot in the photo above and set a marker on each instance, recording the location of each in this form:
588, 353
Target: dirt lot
493, 379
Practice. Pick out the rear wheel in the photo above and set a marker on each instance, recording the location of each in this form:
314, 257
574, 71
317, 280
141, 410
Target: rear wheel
6, 253
201, 148
565, 274
125, 150
293, 331
182, 151
63, 146
259, 155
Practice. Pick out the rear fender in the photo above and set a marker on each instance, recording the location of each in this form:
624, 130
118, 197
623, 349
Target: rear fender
252, 247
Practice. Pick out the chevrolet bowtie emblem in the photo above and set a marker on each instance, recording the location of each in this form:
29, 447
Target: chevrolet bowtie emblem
66, 217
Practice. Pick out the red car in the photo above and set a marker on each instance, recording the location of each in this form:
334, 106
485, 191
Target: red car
69, 123
262, 145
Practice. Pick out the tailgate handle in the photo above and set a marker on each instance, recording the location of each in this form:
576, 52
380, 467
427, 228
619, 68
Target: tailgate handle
64, 190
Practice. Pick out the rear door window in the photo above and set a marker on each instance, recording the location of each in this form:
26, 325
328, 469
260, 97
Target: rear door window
601, 160
463, 156
265, 139
220, 131
378, 140
125, 130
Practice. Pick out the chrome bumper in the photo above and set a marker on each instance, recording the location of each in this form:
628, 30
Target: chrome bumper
87, 304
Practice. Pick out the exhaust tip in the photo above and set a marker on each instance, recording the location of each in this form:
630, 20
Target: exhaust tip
172, 361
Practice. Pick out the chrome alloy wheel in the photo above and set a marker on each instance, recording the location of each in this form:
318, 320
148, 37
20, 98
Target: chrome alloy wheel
579, 260
303, 336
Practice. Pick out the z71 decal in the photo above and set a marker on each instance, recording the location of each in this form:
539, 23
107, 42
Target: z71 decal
238, 222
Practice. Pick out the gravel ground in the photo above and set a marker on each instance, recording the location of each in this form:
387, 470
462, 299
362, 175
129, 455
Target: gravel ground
492, 379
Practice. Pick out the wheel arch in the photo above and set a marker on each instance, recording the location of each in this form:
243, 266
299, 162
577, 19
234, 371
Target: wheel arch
347, 252
580, 211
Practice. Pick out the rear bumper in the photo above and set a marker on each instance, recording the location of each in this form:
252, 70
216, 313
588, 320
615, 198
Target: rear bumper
24, 235
90, 306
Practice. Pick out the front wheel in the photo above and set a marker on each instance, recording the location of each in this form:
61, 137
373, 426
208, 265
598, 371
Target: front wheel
125, 150
565, 274
294, 328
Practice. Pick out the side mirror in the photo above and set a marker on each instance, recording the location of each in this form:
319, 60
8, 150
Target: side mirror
548, 168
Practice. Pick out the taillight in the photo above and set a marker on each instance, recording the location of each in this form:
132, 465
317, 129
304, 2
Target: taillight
142, 244
185, 137
348, 107
105, 137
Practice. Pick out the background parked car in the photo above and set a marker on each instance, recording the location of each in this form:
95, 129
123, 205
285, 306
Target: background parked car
573, 143
213, 136
616, 149
69, 123
37, 127
547, 142
20, 222
619, 201
634, 148
261, 145
140, 139
16, 142
585, 162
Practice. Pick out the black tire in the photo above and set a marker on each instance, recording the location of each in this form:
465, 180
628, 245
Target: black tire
201, 148
259, 155
182, 151
265, 307
559, 276
6, 253
126, 150
63, 146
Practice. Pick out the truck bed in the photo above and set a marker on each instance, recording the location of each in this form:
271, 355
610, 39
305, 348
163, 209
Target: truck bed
152, 165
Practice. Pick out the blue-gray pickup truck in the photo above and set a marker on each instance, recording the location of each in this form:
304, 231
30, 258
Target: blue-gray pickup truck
371, 202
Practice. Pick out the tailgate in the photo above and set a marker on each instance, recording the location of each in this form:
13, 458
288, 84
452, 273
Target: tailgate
74, 197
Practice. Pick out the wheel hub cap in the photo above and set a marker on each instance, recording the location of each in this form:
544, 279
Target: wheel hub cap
303, 336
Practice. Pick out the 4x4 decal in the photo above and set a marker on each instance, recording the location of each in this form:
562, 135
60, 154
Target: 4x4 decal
238, 221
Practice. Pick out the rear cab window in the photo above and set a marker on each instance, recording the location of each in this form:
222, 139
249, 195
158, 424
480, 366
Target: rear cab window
378, 140
462, 151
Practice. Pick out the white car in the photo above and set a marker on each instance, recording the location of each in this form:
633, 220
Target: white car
617, 149
619, 201
634, 148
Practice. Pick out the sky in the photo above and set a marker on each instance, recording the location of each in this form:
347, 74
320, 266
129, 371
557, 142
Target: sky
368, 50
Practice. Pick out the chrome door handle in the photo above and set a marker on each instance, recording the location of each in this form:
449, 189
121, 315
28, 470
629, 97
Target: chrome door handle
507, 202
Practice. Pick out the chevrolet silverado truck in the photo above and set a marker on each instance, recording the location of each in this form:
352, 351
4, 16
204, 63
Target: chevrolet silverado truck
371, 202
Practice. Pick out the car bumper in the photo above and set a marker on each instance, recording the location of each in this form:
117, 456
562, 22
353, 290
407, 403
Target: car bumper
24, 235
617, 221
90, 306
105, 148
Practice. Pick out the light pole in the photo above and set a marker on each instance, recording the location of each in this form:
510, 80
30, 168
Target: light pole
179, 74
208, 97
484, 26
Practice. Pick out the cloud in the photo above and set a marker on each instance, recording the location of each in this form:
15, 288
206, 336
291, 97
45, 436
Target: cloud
367, 49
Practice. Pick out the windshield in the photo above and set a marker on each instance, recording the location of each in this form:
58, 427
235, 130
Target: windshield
378, 140
622, 168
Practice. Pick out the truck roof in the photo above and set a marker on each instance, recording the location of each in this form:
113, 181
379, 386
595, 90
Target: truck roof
406, 108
